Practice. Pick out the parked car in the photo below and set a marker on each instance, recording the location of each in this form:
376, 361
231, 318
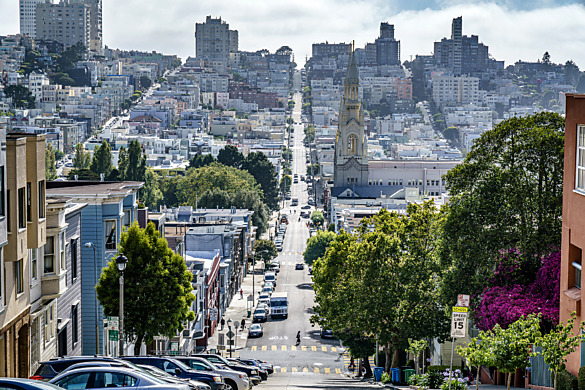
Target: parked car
235, 380
326, 334
264, 301
102, 377
51, 368
259, 363
255, 330
165, 376
299, 266
220, 361
260, 315
262, 373
176, 368
26, 384
267, 290
306, 207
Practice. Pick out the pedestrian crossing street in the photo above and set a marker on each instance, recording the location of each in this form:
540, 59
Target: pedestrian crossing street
314, 370
303, 348
347, 361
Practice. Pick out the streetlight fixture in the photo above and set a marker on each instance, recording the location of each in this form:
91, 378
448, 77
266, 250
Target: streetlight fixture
229, 324
121, 262
97, 333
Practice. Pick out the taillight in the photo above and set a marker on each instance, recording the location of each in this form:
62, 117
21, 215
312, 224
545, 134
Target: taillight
37, 377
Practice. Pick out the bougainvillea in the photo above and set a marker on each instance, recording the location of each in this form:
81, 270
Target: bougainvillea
507, 299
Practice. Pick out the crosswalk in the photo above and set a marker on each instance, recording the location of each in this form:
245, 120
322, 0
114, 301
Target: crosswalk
302, 348
347, 361
314, 370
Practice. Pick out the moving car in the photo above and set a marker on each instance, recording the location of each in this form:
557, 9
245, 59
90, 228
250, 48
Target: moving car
235, 380
101, 377
267, 290
255, 330
299, 266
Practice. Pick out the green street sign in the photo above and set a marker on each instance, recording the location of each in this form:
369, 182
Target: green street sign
113, 335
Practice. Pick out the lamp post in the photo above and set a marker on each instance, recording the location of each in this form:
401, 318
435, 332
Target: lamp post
97, 333
229, 324
121, 262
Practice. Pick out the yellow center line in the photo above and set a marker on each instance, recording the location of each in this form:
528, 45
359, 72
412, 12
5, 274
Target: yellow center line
303, 348
274, 347
333, 349
338, 371
316, 370
313, 348
283, 348
283, 369
264, 347
254, 348
294, 369
305, 369
323, 349
293, 348
327, 370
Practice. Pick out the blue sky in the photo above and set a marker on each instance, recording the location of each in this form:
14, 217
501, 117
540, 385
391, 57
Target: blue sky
513, 29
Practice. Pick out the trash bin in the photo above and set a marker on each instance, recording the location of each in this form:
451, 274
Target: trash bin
378, 373
402, 374
249, 313
407, 373
395, 375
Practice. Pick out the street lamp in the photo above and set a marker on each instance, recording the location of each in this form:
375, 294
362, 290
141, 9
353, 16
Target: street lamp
97, 333
121, 262
229, 324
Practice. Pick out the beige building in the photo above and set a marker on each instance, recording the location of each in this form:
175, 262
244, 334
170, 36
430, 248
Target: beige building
65, 22
26, 231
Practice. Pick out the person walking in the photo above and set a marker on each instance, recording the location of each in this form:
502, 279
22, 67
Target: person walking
241, 293
222, 322
298, 337
243, 324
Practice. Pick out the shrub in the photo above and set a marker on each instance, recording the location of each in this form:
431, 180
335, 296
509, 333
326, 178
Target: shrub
386, 378
566, 381
415, 380
435, 379
456, 384
581, 378
437, 368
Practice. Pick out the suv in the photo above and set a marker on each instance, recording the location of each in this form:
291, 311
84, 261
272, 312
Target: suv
176, 368
220, 361
259, 315
51, 368
234, 379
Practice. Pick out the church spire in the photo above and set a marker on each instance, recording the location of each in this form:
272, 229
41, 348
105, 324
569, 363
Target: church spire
352, 75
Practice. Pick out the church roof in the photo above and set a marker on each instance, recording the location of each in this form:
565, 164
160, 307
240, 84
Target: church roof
352, 74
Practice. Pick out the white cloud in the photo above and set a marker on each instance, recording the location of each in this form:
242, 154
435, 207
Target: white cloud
169, 26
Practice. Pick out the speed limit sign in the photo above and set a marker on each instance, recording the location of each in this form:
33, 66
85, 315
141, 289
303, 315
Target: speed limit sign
459, 322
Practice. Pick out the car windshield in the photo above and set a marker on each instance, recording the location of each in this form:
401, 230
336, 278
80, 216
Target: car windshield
208, 364
255, 327
259, 311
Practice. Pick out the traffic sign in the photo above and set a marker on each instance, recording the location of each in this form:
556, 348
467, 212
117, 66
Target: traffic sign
113, 335
463, 300
230, 334
457, 309
459, 324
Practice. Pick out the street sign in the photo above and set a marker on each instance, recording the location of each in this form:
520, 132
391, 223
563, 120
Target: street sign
213, 314
113, 323
459, 324
463, 300
230, 334
457, 309
236, 324
113, 335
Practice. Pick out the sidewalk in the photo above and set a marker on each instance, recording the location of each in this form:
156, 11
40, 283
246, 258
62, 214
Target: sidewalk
238, 311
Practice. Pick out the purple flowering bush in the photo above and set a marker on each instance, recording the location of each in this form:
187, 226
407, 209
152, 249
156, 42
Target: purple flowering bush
512, 293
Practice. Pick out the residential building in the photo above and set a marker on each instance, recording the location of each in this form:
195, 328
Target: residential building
28, 16
13, 319
215, 41
67, 22
387, 47
456, 89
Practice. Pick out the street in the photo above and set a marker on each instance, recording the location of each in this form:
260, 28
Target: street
315, 363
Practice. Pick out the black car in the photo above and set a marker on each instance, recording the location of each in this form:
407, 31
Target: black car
51, 368
220, 361
299, 266
251, 363
179, 369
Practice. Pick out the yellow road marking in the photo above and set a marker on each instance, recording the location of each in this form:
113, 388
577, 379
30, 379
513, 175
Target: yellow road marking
313, 348
254, 348
323, 349
283, 369
264, 347
327, 370
303, 348
316, 370
294, 369
274, 347
293, 347
305, 369
283, 347
333, 349
338, 371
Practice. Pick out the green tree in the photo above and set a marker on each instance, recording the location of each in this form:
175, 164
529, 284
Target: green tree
265, 250
151, 193
252, 200
360, 347
285, 183
83, 174
58, 154
20, 95
230, 156
201, 160
290, 121
317, 245
416, 347
258, 165
506, 193
82, 158
317, 218
312, 169
136, 169
477, 353
145, 82
50, 169
215, 198
157, 282
310, 133
581, 84
122, 162
559, 343
102, 159
571, 72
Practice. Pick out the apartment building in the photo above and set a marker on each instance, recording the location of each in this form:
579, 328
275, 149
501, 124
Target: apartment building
214, 40
27, 11
66, 22
23, 275
456, 89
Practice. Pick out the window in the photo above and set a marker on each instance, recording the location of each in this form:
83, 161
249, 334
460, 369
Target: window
580, 169
113, 379
111, 235
126, 221
62, 250
73, 248
352, 145
18, 272
74, 381
49, 323
42, 199
21, 210
49, 264
75, 323
2, 192
33, 264
28, 202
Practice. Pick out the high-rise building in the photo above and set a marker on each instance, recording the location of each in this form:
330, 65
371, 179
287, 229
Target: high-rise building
67, 22
27, 13
214, 40
387, 47
461, 54
95, 23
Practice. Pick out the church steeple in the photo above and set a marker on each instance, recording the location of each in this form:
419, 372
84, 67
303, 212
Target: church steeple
352, 77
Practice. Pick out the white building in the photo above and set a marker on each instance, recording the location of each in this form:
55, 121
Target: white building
456, 89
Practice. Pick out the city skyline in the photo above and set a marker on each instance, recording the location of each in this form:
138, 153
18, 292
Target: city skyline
521, 33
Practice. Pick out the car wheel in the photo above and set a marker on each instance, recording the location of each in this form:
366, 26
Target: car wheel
232, 385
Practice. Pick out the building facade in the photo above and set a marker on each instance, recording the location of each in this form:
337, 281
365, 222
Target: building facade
214, 40
67, 22
27, 11
387, 47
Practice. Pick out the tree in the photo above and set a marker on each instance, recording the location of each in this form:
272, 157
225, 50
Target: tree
559, 343
571, 72
201, 160
477, 353
360, 347
102, 159
285, 183
230, 156
145, 82
581, 84
290, 121
215, 198
546, 58
265, 250
258, 165
416, 347
507, 193
317, 218
136, 168
122, 161
82, 174
82, 158
157, 287
20, 95
50, 169
312, 169
151, 193
284, 50
317, 245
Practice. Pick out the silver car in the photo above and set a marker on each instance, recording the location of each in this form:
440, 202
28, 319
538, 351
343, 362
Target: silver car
104, 377
236, 380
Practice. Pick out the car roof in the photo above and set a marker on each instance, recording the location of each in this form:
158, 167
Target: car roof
102, 368
30, 382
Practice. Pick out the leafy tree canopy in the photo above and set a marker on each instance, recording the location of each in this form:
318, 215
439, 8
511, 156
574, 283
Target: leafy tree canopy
50, 169
82, 158
317, 245
20, 95
102, 159
258, 165
230, 156
265, 250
